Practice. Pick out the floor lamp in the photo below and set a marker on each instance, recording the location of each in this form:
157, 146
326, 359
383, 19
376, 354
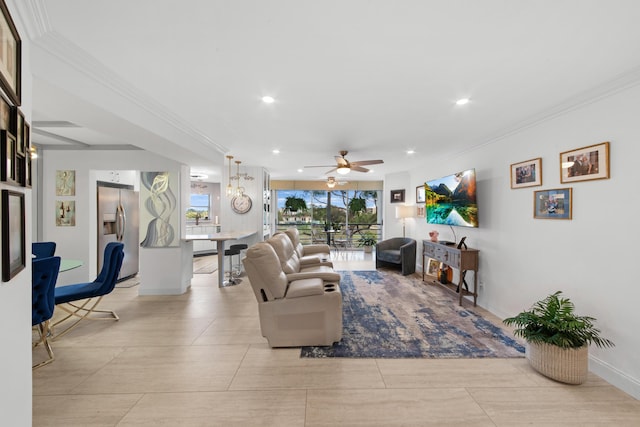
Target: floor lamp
403, 212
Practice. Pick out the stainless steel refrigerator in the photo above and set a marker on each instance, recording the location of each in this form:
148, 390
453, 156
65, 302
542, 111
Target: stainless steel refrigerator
119, 221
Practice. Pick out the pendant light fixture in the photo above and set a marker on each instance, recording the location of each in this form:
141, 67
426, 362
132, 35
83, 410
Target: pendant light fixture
229, 191
239, 189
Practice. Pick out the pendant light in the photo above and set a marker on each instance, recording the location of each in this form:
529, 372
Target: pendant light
229, 191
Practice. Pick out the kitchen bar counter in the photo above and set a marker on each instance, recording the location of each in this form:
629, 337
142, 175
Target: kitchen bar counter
220, 238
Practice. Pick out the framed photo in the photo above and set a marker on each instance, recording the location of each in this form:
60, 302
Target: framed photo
420, 213
10, 56
433, 266
527, 173
19, 132
5, 113
8, 154
65, 183
65, 213
397, 196
13, 235
552, 204
585, 164
420, 194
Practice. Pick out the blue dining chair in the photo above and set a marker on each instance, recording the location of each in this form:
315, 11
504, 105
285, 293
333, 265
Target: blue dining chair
43, 249
80, 299
44, 273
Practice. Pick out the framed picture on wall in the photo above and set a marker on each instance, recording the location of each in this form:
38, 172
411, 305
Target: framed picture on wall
13, 234
65, 183
397, 196
585, 164
8, 166
552, 204
527, 173
10, 56
420, 194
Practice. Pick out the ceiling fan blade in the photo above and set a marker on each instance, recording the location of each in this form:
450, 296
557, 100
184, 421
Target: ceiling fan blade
367, 162
358, 168
332, 170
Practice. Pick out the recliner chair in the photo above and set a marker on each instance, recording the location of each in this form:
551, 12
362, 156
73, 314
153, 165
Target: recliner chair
293, 313
397, 251
290, 263
317, 253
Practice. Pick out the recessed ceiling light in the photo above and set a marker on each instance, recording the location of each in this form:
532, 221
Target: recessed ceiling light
268, 99
411, 151
300, 170
275, 151
462, 101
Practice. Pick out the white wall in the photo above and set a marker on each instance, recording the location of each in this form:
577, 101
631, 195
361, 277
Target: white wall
80, 242
15, 295
591, 258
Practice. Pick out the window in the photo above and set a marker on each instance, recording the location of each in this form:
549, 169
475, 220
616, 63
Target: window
200, 206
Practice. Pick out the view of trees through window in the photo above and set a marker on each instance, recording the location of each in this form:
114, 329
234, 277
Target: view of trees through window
200, 205
352, 214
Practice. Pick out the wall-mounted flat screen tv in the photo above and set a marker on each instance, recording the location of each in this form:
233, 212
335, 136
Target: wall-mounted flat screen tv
451, 200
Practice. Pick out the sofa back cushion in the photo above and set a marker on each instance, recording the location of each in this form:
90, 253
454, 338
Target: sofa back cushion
265, 274
294, 236
289, 261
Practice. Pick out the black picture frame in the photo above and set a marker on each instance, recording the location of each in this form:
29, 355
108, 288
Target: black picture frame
397, 196
13, 234
8, 158
11, 61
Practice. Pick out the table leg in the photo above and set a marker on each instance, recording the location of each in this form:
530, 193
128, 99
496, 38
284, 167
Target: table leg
220, 263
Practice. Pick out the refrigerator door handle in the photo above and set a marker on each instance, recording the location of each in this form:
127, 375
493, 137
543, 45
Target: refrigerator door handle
121, 223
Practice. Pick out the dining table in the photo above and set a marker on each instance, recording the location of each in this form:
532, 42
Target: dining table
220, 239
69, 264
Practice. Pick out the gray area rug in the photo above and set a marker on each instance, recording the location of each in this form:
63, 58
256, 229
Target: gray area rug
387, 315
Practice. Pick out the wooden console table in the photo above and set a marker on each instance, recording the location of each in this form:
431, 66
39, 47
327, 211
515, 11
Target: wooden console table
461, 259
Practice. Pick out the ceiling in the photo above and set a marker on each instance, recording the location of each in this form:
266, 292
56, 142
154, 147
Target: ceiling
374, 77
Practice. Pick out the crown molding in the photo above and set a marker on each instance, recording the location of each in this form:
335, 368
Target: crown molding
621, 82
34, 16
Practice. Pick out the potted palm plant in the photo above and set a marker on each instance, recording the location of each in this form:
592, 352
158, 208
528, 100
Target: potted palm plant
367, 241
557, 339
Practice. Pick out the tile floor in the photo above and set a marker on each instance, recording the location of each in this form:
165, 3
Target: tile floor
198, 359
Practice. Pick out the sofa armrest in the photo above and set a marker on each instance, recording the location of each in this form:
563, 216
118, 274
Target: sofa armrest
326, 276
305, 288
316, 248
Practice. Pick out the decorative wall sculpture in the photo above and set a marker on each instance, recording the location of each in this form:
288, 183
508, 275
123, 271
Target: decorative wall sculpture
158, 214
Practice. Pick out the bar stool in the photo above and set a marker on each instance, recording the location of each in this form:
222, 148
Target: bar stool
240, 248
231, 281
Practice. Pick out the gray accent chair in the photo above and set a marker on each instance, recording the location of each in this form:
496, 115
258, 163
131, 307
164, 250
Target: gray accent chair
397, 251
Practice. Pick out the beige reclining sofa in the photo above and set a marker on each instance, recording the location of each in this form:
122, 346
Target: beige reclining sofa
298, 306
317, 253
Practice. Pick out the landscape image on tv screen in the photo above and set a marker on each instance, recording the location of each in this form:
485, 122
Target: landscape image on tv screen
451, 200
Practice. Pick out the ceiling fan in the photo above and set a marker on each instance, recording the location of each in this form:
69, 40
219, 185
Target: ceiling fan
344, 166
332, 182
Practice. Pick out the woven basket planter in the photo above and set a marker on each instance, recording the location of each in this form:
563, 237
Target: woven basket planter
567, 365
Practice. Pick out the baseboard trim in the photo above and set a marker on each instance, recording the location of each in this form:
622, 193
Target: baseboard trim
615, 377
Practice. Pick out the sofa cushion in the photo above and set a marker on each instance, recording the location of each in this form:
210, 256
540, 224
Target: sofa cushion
305, 287
263, 267
390, 255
